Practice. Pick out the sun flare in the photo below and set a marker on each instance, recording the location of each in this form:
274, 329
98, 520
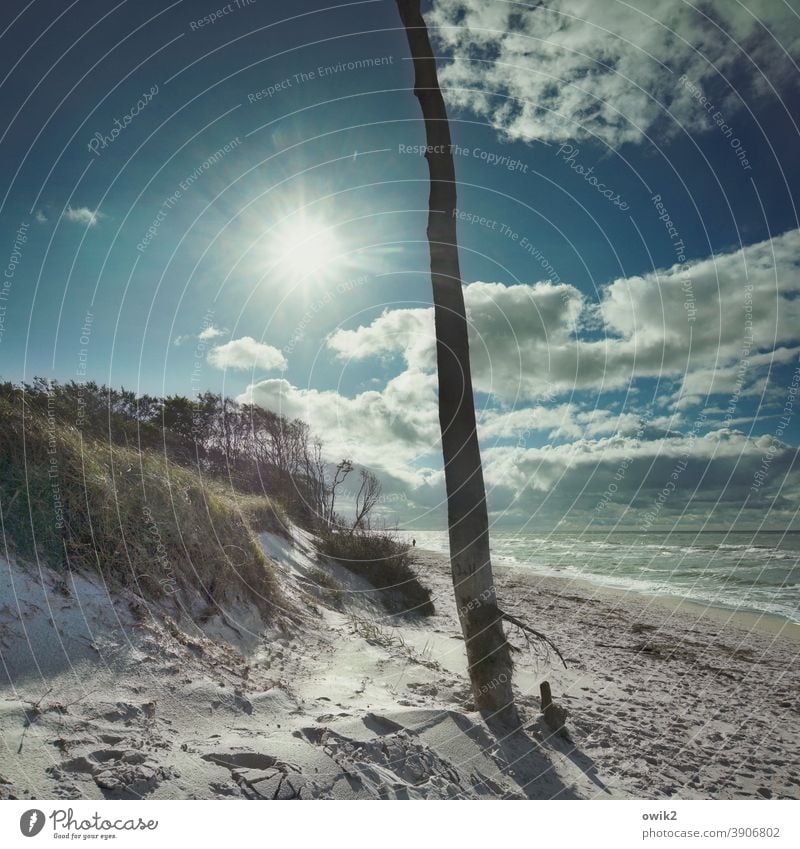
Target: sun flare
306, 249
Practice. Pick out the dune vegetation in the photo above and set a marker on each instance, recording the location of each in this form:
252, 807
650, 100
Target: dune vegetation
165, 496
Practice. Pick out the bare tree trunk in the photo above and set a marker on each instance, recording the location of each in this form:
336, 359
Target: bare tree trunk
488, 652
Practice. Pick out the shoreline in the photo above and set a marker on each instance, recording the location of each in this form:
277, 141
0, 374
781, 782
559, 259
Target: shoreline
771, 624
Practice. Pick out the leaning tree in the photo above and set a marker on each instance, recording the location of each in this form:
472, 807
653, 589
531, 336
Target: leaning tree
488, 654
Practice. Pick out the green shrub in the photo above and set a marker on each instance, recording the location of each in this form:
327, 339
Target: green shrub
383, 561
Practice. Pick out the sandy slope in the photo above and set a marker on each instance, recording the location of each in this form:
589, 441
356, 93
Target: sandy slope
101, 697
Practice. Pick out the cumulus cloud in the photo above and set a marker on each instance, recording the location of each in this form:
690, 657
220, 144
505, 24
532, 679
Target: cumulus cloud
713, 325
666, 344
406, 331
678, 348
244, 353
567, 421
83, 215
511, 328
556, 420
389, 430
745, 316
573, 69
544, 467
612, 467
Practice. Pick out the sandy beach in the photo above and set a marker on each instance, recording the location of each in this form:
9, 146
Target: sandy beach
104, 697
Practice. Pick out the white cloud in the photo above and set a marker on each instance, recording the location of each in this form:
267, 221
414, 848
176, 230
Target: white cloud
210, 332
556, 420
244, 353
388, 430
205, 335
545, 467
83, 215
396, 433
566, 421
508, 326
41, 217
573, 69
407, 331
527, 341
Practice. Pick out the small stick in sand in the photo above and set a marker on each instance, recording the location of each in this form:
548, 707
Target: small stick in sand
31, 715
554, 715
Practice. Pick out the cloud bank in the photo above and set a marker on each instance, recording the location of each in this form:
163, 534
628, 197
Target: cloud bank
577, 396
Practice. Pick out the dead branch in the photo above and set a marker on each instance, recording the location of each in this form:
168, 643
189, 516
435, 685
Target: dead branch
538, 634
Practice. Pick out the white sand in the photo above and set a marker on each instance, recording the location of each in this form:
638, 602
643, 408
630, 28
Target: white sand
664, 700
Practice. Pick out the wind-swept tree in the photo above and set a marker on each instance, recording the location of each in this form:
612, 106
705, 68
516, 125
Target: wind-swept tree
488, 654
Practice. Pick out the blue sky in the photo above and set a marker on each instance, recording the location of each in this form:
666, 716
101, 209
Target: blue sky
256, 223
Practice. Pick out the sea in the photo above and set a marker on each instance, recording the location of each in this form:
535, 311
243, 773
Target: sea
754, 571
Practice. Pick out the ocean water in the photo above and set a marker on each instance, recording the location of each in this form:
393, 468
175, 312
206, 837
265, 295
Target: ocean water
744, 570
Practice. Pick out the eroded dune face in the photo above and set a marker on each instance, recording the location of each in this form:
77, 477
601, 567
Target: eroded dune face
121, 700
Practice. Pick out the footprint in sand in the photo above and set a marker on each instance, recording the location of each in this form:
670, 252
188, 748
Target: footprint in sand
119, 773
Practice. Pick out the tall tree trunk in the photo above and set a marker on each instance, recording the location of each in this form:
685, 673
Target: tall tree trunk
488, 654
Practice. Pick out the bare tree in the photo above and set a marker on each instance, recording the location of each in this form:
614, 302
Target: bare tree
366, 498
343, 469
314, 471
488, 654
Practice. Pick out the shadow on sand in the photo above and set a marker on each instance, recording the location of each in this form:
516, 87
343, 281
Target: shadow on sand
529, 763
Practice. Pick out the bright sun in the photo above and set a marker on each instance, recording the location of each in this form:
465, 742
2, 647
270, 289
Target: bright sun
306, 249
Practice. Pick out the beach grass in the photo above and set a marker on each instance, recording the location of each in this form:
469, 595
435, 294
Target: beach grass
143, 522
